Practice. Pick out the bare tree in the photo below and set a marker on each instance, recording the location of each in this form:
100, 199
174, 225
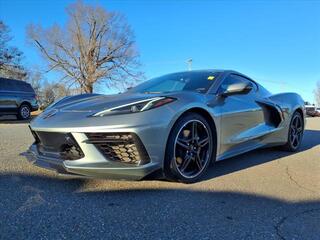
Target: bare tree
50, 92
10, 57
317, 93
94, 46
35, 78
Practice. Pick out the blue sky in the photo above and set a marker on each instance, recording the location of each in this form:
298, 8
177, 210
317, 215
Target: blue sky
277, 43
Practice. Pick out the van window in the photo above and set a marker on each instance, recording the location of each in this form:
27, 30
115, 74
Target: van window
15, 85
23, 86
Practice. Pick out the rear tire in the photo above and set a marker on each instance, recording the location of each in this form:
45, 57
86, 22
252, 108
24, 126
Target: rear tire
24, 112
190, 149
295, 133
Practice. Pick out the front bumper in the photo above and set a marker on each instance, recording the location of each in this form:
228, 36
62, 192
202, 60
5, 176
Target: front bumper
34, 105
151, 129
92, 168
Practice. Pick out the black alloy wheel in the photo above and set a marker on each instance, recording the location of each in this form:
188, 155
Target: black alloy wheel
295, 133
190, 149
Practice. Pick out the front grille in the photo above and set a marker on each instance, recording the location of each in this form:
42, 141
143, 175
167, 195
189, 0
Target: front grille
57, 145
121, 147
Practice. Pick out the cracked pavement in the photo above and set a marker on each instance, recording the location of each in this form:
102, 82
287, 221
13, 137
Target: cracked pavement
264, 194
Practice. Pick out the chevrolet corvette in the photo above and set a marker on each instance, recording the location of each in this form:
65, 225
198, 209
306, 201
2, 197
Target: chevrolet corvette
176, 124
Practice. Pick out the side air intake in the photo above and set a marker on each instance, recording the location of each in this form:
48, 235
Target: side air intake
272, 113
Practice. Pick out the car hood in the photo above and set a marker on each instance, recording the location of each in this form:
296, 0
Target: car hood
74, 112
93, 103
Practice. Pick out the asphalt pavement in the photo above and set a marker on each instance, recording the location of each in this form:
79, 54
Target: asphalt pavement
264, 194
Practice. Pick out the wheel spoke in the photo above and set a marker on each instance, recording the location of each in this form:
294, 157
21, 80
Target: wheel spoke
182, 143
203, 142
292, 138
299, 137
299, 130
198, 160
295, 140
184, 140
296, 122
186, 161
194, 131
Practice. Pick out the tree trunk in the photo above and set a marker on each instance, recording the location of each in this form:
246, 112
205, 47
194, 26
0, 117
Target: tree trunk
88, 88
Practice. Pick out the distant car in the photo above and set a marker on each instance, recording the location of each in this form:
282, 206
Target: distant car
177, 123
312, 111
17, 97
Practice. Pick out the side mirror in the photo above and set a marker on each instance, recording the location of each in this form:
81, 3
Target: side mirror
237, 88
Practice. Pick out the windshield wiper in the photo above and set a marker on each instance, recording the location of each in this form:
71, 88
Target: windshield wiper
201, 90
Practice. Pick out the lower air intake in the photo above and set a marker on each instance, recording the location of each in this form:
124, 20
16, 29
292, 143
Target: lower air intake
121, 147
61, 145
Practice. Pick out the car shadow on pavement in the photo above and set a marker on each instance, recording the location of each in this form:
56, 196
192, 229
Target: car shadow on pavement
34, 206
260, 156
13, 120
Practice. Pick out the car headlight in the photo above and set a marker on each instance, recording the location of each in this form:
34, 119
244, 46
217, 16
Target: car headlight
139, 106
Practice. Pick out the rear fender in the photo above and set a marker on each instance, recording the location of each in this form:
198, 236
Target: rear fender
289, 103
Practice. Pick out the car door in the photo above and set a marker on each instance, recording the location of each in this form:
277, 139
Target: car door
240, 117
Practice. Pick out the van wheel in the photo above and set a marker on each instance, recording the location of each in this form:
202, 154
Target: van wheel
24, 112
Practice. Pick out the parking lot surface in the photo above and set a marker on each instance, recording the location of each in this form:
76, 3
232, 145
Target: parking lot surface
265, 194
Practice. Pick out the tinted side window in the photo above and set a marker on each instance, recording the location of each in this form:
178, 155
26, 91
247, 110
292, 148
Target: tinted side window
234, 79
7, 85
251, 83
24, 87
14, 85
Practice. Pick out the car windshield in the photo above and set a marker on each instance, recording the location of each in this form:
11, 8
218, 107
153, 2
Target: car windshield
186, 81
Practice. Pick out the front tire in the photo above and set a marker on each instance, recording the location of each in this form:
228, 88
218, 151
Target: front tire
295, 133
24, 112
190, 149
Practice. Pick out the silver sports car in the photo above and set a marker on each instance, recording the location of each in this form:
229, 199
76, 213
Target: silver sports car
176, 124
